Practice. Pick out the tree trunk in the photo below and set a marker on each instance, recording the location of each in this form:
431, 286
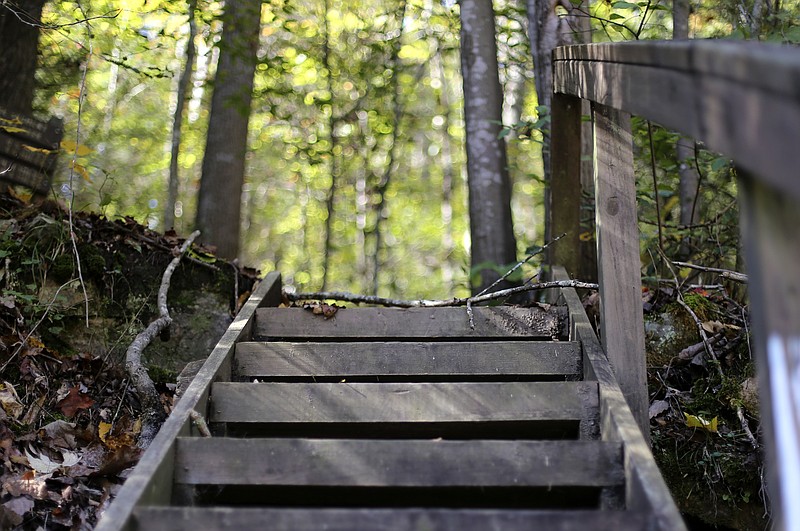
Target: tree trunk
546, 31
177, 119
219, 203
490, 223
684, 149
19, 49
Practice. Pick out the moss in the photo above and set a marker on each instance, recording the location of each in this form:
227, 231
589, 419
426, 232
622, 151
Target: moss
700, 305
162, 375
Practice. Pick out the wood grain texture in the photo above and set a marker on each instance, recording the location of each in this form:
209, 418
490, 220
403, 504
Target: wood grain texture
399, 402
770, 221
397, 463
276, 360
149, 482
565, 185
408, 323
619, 268
236, 519
645, 489
741, 99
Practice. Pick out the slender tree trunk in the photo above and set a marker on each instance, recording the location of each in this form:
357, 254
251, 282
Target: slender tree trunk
684, 149
491, 226
177, 119
19, 49
219, 202
546, 31
330, 200
383, 185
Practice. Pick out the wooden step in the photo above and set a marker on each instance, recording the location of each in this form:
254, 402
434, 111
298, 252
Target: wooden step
397, 463
409, 361
401, 402
364, 324
305, 519
521, 410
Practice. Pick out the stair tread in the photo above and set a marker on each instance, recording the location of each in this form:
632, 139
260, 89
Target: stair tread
275, 360
298, 519
402, 402
408, 323
398, 463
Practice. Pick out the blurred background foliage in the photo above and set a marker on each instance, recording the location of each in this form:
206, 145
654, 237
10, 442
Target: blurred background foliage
359, 90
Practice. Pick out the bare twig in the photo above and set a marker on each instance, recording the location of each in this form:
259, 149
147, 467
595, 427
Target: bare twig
724, 273
746, 427
10, 167
38, 323
200, 423
424, 303
152, 411
521, 263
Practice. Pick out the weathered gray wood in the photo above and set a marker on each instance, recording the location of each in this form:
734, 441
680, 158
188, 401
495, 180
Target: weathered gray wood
415, 359
149, 482
397, 463
407, 323
770, 221
565, 185
619, 268
645, 489
305, 519
28, 150
400, 402
741, 99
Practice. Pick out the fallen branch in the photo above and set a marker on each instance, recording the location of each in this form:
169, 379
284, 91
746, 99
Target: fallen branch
152, 410
724, 273
425, 303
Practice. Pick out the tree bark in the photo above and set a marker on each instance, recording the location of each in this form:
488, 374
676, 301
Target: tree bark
546, 31
19, 50
684, 148
219, 202
177, 120
490, 223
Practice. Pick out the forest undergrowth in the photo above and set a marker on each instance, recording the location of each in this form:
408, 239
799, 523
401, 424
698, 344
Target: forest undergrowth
69, 421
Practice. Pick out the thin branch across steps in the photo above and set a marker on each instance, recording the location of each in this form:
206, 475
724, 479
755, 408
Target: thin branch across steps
425, 303
152, 410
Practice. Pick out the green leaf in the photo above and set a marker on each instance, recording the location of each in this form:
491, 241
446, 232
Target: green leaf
624, 5
616, 16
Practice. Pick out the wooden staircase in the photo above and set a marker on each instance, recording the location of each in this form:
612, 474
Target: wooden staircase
397, 419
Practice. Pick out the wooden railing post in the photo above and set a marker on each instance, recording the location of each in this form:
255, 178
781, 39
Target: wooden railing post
769, 222
565, 184
619, 268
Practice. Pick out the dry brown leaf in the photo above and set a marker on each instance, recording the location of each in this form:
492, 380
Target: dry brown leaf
74, 402
10, 400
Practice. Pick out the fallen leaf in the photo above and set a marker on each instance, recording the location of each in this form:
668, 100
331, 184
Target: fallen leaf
103, 429
29, 485
10, 400
15, 510
694, 421
59, 433
658, 407
74, 401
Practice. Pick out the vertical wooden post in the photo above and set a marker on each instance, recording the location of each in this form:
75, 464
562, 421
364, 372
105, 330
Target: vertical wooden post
619, 268
769, 222
565, 182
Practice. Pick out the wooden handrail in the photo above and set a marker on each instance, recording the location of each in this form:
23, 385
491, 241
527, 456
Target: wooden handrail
740, 99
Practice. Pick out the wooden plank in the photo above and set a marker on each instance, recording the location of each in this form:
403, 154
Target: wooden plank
33, 178
645, 489
408, 323
273, 361
305, 519
36, 132
565, 185
401, 402
741, 100
397, 463
149, 482
619, 268
770, 221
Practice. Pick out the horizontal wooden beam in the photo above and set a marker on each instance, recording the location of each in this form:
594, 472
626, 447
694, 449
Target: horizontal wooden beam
235, 519
408, 323
741, 99
398, 463
277, 360
401, 402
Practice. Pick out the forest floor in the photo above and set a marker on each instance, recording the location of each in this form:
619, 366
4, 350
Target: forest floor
69, 418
